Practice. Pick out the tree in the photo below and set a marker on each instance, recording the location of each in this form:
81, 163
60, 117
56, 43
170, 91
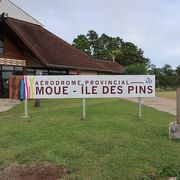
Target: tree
166, 77
167, 70
136, 69
177, 70
92, 37
158, 74
100, 46
169, 77
97, 46
107, 48
130, 54
82, 43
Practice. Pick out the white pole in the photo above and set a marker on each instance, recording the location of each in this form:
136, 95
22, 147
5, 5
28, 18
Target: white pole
84, 109
113, 58
26, 108
139, 107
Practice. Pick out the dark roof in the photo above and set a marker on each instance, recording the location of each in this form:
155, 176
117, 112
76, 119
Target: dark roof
52, 51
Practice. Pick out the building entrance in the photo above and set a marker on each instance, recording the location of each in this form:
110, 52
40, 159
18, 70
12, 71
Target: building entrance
6, 72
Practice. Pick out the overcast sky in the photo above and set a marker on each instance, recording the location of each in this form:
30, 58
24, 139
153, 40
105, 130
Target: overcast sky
153, 25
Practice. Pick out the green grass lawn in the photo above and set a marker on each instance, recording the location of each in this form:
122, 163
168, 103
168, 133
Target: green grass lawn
112, 144
166, 94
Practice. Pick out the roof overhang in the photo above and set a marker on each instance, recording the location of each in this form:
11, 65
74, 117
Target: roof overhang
81, 68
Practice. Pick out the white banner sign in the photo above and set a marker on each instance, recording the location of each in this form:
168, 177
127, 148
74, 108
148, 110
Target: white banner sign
100, 86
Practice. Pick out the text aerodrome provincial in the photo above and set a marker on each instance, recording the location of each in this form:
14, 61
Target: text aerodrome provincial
89, 86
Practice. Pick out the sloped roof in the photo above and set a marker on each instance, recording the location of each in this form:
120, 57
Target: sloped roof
14, 11
52, 51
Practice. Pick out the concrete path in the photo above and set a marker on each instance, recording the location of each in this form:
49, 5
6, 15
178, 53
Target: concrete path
6, 104
161, 104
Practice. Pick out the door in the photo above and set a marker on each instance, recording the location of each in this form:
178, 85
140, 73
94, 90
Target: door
5, 84
6, 72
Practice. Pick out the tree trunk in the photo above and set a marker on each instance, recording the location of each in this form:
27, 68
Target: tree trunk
37, 103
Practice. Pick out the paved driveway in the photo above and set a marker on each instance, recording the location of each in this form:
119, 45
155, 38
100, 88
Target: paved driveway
6, 104
161, 104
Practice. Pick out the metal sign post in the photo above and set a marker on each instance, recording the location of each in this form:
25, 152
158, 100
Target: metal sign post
139, 107
25, 108
84, 109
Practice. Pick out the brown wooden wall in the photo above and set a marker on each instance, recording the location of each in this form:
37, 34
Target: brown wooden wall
10, 51
14, 86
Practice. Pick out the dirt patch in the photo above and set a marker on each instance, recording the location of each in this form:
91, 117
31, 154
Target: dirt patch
44, 171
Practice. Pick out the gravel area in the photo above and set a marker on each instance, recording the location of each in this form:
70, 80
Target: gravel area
161, 104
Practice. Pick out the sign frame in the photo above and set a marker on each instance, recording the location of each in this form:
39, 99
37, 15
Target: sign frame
89, 86
138, 82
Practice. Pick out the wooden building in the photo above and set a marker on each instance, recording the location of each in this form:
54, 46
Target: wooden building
26, 46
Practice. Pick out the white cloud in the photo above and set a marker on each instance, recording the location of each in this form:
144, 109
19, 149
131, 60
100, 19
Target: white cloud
152, 25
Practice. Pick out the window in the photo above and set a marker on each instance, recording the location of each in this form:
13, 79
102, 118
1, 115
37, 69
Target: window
1, 45
18, 70
53, 72
64, 72
30, 71
45, 72
8, 68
